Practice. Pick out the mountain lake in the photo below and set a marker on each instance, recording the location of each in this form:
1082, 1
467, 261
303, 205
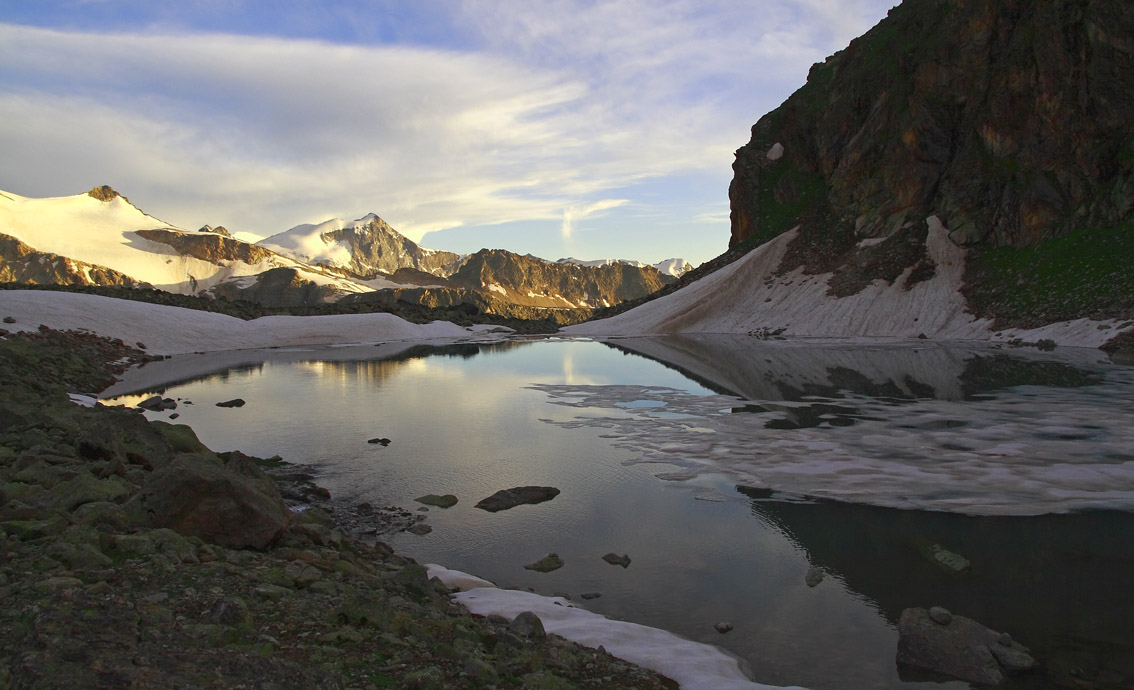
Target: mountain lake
797, 490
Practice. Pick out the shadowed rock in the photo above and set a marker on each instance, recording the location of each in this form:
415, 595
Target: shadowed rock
233, 504
936, 640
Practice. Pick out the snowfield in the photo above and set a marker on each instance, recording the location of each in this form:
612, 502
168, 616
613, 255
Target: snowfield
174, 330
104, 233
747, 297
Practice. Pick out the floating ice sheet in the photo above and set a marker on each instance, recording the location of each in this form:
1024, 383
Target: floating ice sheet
1023, 450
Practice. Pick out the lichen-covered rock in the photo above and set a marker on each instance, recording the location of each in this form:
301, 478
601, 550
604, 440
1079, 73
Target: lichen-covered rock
234, 505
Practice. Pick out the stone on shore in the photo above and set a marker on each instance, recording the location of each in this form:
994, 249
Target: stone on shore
233, 504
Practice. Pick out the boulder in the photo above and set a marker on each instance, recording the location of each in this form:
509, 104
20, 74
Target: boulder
232, 504
510, 498
936, 640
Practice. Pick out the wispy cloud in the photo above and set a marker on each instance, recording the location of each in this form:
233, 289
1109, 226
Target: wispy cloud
549, 110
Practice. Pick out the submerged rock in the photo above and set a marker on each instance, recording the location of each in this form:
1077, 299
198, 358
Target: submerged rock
235, 402
550, 562
939, 641
615, 559
520, 495
444, 501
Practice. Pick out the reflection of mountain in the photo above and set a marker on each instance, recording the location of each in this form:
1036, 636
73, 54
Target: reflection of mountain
779, 370
1057, 583
371, 362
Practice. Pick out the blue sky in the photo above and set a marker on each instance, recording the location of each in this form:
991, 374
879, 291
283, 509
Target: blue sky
552, 127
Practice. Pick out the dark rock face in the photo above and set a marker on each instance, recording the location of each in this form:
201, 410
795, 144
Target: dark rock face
277, 287
1008, 119
19, 263
208, 247
233, 504
936, 640
520, 495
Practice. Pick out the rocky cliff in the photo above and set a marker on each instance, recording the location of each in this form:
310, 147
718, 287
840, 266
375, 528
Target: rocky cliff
531, 281
366, 248
1012, 121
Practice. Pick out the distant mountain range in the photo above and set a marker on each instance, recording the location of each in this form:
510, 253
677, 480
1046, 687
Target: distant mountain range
100, 238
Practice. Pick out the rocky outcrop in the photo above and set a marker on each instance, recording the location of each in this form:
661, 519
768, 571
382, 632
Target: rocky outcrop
104, 193
276, 287
210, 247
535, 282
19, 263
1008, 120
218, 230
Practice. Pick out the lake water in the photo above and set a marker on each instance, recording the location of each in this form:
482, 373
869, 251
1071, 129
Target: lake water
729, 469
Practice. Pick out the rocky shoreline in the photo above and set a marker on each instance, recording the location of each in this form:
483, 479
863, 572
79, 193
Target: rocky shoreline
108, 582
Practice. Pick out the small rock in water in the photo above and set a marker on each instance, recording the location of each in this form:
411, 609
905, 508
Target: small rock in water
382, 441
9, 319
591, 595
814, 576
723, 627
419, 528
520, 495
443, 501
615, 559
235, 402
550, 562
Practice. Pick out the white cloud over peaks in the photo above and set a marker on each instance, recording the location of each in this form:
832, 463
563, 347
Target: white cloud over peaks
551, 109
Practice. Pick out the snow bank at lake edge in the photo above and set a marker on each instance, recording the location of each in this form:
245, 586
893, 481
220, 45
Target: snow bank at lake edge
748, 296
174, 330
695, 666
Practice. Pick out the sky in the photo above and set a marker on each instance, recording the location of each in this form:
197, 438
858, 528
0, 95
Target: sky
587, 128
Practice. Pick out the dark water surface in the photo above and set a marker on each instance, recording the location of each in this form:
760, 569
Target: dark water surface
728, 469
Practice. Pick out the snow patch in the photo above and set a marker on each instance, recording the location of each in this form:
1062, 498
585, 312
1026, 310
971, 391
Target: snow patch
693, 665
173, 330
748, 296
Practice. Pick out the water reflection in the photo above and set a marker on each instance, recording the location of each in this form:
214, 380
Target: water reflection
648, 458
1060, 584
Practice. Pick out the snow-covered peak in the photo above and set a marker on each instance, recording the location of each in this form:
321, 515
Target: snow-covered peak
673, 267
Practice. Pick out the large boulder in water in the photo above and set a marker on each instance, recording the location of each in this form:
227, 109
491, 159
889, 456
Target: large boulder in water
520, 495
936, 640
229, 503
